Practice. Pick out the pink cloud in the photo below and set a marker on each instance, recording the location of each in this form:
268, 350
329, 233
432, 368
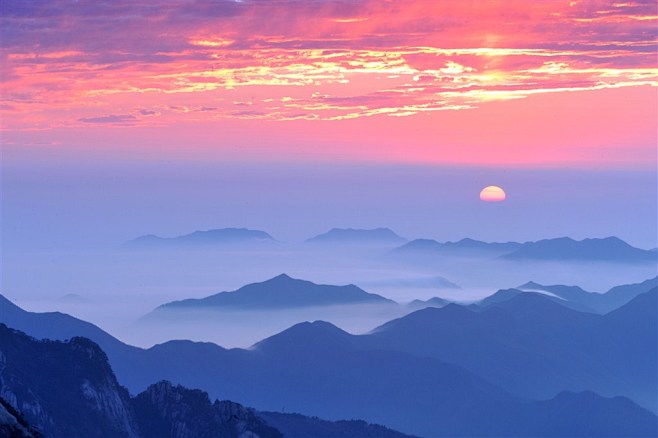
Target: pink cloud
78, 65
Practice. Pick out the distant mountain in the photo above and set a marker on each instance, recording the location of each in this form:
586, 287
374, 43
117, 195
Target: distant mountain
430, 372
570, 293
620, 295
507, 294
320, 368
500, 296
467, 243
462, 247
581, 414
534, 347
358, 236
316, 336
327, 373
210, 238
577, 298
630, 335
279, 293
432, 302
427, 245
610, 249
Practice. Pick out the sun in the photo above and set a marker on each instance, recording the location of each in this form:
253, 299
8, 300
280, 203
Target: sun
492, 194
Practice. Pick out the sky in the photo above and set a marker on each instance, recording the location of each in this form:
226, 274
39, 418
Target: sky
295, 116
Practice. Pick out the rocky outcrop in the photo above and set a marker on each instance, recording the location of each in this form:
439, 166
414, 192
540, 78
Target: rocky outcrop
64, 389
13, 425
167, 411
68, 390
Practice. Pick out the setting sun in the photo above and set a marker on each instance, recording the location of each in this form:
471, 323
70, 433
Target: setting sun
492, 194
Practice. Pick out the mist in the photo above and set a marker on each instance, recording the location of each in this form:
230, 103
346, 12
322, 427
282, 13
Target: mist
118, 288
65, 224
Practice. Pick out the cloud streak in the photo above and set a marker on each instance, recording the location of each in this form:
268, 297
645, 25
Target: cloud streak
119, 119
366, 57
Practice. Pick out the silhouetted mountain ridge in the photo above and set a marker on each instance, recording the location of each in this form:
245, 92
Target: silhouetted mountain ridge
307, 336
610, 249
208, 238
579, 299
532, 345
431, 373
76, 395
279, 292
431, 302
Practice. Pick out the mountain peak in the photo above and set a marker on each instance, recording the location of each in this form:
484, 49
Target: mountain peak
611, 249
283, 277
357, 235
281, 292
304, 336
428, 317
531, 285
499, 296
644, 304
317, 326
540, 308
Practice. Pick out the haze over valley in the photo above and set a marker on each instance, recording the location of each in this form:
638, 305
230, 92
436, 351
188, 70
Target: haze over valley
119, 287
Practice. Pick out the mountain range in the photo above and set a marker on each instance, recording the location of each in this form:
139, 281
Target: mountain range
580, 299
280, 292
37, 376
203, 239
454, 371
609, 249
533, 346
432, 302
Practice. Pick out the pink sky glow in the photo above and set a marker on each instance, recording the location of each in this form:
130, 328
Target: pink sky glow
494, 83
